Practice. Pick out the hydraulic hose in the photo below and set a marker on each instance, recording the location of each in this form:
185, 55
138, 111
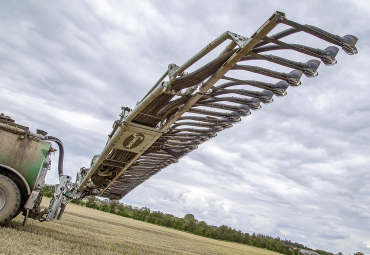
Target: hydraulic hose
61, 152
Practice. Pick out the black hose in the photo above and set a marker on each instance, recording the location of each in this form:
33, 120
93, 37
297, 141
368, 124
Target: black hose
61, 152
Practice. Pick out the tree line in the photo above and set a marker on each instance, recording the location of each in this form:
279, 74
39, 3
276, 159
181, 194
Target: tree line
190, 224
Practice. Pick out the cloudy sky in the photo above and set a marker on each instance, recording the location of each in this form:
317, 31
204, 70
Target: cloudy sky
298, 168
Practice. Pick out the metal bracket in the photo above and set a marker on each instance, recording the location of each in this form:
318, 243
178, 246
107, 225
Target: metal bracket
59, 197
238, 39
32, 205
204, 93
171, 70
40, 183
124, 113
31, 200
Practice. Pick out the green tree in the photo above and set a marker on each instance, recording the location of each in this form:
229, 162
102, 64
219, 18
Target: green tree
114, 206
91, 202
188, 217
246, 238
48, 191
107, 209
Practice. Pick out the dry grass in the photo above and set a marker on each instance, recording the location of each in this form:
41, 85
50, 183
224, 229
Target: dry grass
87, 231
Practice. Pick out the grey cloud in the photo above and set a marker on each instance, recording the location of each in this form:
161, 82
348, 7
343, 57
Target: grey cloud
345, 194
297, 166
334, 235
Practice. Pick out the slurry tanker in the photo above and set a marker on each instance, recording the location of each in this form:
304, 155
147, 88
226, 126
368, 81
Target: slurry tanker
182, 110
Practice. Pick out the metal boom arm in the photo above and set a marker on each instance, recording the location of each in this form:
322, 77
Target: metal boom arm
167, 123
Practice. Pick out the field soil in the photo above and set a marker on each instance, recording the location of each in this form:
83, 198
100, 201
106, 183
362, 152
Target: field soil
87, 231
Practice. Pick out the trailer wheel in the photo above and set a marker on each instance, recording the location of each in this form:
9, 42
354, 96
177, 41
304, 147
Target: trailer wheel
10, 199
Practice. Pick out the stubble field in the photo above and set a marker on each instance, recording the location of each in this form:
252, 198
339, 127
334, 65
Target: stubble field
87, 231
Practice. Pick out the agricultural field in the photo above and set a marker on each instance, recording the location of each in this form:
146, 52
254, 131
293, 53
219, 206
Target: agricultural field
87, 231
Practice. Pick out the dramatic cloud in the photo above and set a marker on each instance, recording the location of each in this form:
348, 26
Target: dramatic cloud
298, 168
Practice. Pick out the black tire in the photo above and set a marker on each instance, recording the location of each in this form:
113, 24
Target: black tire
10, 199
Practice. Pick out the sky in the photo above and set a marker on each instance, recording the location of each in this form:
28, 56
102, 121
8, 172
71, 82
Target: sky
297, 168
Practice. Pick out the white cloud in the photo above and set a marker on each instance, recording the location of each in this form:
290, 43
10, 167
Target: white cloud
284, 232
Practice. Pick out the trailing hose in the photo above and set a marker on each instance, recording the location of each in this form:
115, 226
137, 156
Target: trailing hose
61, 152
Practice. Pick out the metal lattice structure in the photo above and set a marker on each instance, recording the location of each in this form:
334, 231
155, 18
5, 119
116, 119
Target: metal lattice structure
179, 114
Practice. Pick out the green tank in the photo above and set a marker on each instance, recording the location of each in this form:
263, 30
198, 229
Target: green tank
24, 154
24, 162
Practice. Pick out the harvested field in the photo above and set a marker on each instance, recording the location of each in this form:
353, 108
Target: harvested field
87, 231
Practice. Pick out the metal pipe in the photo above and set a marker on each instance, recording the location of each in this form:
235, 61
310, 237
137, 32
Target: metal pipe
347, 42
229, 47
21, 131
61, 152
293, 78
223, 37
279, 35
